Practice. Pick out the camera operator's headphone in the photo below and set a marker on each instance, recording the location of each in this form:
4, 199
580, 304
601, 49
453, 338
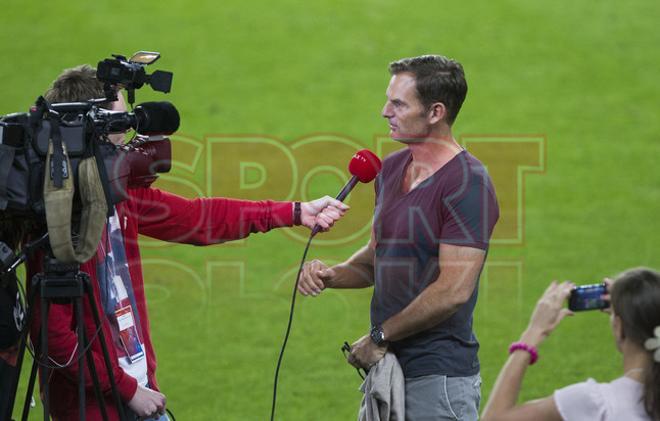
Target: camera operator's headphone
58, 200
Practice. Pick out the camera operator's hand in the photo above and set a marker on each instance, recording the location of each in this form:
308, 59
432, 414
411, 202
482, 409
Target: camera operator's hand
324, 212
313, 278
147, 402
548, 313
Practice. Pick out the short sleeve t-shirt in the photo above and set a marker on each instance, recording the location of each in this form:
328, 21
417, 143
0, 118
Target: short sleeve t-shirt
456, 205
618, 400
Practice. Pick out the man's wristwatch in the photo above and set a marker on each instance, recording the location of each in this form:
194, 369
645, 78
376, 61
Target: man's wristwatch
378, 336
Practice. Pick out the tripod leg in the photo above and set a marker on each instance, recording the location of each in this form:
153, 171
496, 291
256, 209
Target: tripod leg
97, 385
30, 389
45, 307
22, 344
106, 355
80, 325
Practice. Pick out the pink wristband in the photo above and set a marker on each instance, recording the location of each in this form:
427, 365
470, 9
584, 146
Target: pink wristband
533, 352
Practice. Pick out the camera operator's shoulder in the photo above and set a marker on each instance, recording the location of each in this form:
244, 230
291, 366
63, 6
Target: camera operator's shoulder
143, 196
145, 192
145, 199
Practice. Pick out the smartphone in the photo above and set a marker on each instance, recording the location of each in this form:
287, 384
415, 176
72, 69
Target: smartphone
588, 297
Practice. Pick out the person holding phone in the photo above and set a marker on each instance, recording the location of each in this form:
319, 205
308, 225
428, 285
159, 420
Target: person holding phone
635, 321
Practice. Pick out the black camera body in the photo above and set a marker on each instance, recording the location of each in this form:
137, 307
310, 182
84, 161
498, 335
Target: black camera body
82, 130
24, 140
131, 74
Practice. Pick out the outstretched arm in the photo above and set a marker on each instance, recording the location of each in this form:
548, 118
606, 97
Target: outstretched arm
210, 220
501, 405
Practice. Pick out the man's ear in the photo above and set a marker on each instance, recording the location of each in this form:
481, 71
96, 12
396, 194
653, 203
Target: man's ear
437, 112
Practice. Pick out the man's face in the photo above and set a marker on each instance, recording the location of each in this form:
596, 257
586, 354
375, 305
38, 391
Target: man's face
118, 105
407, 117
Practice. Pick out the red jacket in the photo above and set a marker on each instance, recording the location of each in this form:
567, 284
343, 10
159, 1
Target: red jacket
160, 215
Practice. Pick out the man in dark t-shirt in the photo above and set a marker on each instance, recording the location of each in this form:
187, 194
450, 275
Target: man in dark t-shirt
435, 212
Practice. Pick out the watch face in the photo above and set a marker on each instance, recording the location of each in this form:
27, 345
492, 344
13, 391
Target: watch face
377, 335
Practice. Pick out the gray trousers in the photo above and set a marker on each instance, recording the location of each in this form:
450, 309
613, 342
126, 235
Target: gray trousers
435, 397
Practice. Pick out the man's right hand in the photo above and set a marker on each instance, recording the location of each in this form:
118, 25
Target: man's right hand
314, 278
147, 402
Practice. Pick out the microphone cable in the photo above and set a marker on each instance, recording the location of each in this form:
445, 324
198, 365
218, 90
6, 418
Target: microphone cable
170, 415
288, 327
364, 167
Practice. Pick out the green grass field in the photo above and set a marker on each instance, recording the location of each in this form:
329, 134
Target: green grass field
576, 79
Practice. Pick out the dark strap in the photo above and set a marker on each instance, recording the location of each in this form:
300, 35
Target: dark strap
6, 162
57, 166
297, 214
58, 203
103, 174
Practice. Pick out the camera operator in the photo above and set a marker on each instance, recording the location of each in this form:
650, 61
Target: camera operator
116, 273
635, 321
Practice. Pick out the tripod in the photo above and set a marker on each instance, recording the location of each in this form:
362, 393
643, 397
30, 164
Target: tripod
61, 283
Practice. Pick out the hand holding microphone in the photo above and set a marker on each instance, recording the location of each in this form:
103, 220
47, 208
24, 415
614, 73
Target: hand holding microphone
323, 212
364, 167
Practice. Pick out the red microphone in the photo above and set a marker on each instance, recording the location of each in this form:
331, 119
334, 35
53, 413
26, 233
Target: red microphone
364, 167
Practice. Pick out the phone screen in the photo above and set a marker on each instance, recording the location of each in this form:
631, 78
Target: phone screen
588, 297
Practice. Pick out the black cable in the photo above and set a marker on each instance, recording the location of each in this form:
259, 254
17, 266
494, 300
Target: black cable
288, 328
170, 414
56, 366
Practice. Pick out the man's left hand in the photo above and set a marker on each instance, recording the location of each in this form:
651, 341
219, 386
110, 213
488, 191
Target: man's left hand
365, 353
324, 212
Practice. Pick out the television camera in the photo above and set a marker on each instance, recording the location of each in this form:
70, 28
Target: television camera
60, 175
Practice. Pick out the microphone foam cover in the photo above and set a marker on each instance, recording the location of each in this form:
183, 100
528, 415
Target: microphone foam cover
365, 165
157, 118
